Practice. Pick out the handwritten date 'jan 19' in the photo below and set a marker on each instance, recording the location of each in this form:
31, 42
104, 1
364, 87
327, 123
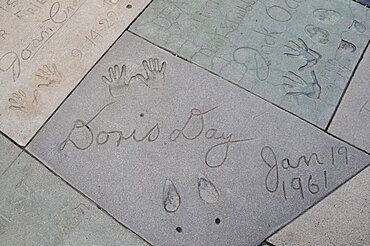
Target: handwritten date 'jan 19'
279, 177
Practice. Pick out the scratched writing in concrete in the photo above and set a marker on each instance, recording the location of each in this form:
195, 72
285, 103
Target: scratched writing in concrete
298, 54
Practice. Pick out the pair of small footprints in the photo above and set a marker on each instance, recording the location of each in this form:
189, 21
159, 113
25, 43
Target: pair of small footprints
119, 83
207, 191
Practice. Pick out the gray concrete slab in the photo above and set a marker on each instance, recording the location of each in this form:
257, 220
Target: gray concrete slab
38, 208
297, 54
8, 153
46, 47
266, 244
184, 158
351, 122
343, 218
366, 2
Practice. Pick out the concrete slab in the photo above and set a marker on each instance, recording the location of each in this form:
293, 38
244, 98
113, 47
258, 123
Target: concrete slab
52, 47
366, 2
297, 54
351, 122
184, 158
38, 208
340, 219
266, 244
8, 153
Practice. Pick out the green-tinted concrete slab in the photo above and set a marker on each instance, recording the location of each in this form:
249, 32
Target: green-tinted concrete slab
351, 122
8, 153
38, 208
297, 54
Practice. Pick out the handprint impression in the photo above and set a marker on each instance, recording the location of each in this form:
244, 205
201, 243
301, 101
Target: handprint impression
155, 73
117, 81
301, 49
297, 86
50, 74
20, 102
119, 85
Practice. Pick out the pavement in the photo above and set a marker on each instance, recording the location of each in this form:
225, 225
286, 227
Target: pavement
204, 122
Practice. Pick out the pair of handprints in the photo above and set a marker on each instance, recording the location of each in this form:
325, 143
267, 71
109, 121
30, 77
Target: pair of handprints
295, 85
119, 83
207, 191
28, 102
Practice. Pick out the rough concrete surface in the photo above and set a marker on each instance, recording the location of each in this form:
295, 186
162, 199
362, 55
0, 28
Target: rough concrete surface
161, 145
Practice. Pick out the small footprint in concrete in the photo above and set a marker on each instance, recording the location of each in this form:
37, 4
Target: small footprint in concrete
317, 34
346, 47
207, 190
171, 197
358, 26
327, 16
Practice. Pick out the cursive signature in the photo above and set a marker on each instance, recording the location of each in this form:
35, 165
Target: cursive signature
102, 137
194, 128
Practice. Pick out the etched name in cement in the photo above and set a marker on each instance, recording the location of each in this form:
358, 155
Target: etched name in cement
46, 47
297, 54
162, 144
